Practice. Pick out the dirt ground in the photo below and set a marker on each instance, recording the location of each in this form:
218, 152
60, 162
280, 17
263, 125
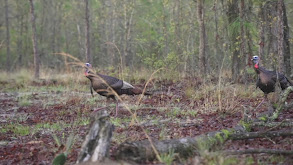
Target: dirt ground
31, 119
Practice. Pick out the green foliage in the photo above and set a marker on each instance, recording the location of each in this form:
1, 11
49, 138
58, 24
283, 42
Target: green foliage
24, 101
163, 134
60, 159
218, 158
227, 133
17, 129
246, 125
52, 126
82, 121
263, 118
174, 112
168, 158
116, 121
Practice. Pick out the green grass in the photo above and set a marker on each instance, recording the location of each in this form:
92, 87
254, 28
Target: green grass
168, 158
82, 121
17, 129
59, 126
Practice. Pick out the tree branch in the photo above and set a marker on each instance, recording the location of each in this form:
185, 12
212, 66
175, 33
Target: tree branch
281, 103
251, 135
259, 151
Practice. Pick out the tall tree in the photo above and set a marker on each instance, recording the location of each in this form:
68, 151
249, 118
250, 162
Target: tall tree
285, 35
281, 37
87, 31
34, 39
216, 35
7, 36
243, 52
20, 37
128, 22
202, 39
261, 17
233, 14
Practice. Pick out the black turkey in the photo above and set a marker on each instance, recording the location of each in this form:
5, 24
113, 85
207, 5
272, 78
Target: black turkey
267, 79
107, 86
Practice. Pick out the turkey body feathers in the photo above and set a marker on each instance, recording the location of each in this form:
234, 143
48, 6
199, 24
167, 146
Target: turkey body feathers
102, 84
267, 80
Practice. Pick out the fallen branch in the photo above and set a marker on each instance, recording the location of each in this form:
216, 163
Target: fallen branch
251, 135
167, 121
281, 103
272, 124
259, 151
141, 151
97, 143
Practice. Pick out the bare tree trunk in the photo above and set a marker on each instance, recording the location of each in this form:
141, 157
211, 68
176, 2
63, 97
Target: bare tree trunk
7, 37
271, 13
217, 37
112, 28
128, 31
87, 44
202, 46
281, 37
232, 14
20, 37
287, 56
243, 53
261, 31
34, 38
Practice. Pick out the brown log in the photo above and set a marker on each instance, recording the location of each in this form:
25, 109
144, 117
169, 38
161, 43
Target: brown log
259, 151
272, 124
251, 135
141, 151
185, 123
96, 146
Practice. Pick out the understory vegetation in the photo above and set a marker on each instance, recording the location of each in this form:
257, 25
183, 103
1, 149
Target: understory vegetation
38, 116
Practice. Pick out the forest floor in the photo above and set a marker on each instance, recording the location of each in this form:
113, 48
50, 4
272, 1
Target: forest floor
36, 119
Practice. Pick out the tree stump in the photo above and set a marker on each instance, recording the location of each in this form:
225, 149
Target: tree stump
96, 146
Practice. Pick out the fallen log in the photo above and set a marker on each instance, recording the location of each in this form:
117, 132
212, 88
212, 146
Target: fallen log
252, 135
96, 146
141, 151
259, 151
272, 124
187, 123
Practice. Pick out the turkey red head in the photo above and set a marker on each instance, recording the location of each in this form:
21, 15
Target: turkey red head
87, 67
255, 60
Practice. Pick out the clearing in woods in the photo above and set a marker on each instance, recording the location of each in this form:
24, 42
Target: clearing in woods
37, 118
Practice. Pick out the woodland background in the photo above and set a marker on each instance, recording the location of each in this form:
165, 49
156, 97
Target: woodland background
193, 55
186, 36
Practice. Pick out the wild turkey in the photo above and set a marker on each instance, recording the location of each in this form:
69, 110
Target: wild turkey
107, 85
267, 79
